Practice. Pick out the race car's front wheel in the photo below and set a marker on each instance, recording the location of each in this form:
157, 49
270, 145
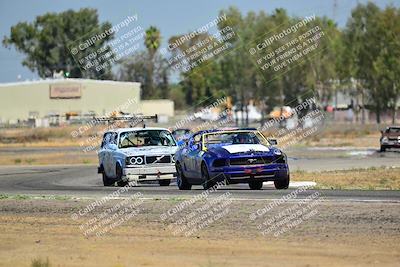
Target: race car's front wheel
255, 185
118, 171
208, 183
282, 183
107, 181
164, 182
181, 179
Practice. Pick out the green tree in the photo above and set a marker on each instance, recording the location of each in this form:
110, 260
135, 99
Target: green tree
134, 69
46, 42
372, 39
387, 63
152, 43
198, 83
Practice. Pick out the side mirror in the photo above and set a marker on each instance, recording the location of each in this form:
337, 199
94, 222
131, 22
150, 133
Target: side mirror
112, 147
273, 142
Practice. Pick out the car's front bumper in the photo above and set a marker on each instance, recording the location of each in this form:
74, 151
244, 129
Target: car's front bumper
243, 174
390, 144
149, 173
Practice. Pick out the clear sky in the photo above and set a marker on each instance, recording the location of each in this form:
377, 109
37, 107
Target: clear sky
171, 17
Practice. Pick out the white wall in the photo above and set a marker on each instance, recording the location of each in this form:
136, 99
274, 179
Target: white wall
18, 99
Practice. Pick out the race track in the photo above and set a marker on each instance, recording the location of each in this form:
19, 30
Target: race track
82, 181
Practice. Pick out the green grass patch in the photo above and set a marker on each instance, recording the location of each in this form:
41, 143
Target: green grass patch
374, 178
40, 263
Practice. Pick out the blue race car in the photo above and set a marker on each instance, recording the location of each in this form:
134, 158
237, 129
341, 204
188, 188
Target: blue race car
233, 156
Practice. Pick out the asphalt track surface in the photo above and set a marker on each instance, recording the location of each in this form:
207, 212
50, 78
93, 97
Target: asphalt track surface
82, 181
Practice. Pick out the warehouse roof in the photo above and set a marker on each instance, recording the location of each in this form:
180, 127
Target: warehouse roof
51, 81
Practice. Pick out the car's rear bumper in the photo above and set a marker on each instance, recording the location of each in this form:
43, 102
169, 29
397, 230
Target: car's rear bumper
149, 173
243, 174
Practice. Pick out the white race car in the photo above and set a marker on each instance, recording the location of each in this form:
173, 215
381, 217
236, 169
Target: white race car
137, 154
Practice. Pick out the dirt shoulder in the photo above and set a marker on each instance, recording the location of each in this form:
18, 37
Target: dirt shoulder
382, 178
338, 234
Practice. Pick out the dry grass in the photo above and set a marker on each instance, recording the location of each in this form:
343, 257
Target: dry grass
50, 137
49, 158
340, 135
332, 135
366, 179
342, 234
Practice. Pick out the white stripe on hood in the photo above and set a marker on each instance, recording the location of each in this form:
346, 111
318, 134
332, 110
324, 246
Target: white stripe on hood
238, 148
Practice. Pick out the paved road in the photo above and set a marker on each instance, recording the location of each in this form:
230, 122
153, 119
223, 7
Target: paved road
83, 181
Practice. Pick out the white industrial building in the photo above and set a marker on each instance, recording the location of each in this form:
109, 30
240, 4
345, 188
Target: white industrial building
69, 98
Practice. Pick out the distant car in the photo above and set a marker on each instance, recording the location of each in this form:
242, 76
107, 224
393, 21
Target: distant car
390, 138
137, 154
235, 156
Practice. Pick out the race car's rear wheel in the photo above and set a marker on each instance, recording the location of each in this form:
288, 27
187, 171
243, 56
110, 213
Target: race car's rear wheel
255, 185
282, 183
208, 183
164, 182
383, 149
107, 181
181, 179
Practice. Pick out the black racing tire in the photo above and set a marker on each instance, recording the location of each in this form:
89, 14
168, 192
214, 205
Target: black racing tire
122, 183
282, 183
181, 180
383, 149
164, 182
118, 171
207, 182
255, 185
107, 181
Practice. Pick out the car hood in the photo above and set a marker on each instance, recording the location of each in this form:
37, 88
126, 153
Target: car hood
149, 150
391, 135
242, 149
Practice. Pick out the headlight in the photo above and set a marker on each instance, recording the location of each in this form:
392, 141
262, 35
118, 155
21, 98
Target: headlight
277, 152
281, 159
385, 139
219, 163
173, 158
134, 160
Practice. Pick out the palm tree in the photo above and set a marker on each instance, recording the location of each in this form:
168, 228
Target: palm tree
152, 42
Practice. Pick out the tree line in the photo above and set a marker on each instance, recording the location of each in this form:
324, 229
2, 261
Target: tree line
363, 58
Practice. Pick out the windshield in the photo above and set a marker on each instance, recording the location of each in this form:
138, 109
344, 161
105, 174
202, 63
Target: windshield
231, 138
393, 130
146, 138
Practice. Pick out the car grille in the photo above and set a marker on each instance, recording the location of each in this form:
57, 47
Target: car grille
251, 161
153, 159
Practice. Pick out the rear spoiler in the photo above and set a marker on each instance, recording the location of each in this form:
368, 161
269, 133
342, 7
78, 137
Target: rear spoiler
133, 120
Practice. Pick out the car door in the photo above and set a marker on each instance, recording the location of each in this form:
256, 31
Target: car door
113, 154
104, 153
193, 158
